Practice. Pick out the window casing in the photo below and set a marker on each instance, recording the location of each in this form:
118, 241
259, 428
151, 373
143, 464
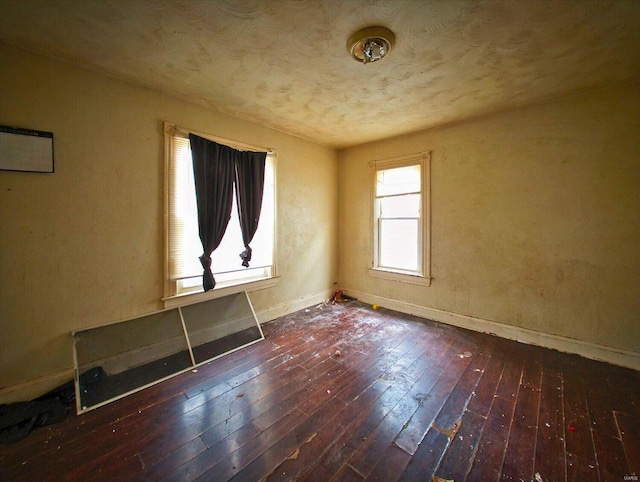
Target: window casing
183, 271
401, 219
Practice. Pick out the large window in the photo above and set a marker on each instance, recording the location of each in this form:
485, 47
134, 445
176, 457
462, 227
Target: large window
401, 219
184, 271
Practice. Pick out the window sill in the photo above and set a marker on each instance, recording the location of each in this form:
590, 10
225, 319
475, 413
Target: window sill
414, 279
218, 292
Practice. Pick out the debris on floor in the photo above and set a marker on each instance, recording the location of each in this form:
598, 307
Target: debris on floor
374, 306
438, 479
339, 297
466, 354
295, 454
18, 419
451, 432
337, 353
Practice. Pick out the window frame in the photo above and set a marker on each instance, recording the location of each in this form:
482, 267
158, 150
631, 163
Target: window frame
172, 297
422, 276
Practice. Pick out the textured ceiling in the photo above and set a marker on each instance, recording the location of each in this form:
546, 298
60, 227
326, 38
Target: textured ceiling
284, 63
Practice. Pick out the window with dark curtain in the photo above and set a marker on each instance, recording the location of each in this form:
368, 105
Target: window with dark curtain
216, 169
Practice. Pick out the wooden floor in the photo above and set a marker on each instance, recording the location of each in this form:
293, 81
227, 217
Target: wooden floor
343, 392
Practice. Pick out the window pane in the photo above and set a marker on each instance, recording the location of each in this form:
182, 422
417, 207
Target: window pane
407, 206
399, 244
398, 180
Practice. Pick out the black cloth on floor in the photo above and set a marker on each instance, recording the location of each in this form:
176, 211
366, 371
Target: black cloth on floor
18, 419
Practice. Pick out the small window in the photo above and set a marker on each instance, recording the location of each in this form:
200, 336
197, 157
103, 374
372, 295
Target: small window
401, 219
184, 271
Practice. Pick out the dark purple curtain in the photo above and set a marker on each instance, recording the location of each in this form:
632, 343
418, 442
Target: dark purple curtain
213, 169
249, 189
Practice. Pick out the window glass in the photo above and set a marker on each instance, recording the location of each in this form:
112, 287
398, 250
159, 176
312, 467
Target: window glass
399, 244
400, 206
398, 180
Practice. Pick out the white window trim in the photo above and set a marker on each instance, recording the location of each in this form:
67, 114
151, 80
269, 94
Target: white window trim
423, 278
172, 300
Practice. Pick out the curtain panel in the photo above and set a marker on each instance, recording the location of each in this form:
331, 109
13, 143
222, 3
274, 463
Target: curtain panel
249, 188
216, 169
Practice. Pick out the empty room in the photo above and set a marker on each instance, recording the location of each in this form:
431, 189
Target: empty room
320, 240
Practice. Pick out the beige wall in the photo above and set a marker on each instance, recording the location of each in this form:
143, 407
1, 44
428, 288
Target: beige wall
536, 218
84, 246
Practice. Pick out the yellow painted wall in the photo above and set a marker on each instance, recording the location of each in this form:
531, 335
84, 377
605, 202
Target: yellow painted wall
535, 218
84, 246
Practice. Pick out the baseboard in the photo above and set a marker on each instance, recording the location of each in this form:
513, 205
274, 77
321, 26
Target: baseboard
36, 387
282, 309
586, 349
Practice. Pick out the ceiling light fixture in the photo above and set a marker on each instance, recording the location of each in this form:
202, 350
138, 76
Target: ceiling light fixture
370, 44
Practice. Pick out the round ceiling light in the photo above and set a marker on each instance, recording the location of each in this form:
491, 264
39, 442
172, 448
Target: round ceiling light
370, 44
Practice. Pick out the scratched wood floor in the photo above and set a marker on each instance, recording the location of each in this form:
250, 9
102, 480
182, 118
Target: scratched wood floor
405, 399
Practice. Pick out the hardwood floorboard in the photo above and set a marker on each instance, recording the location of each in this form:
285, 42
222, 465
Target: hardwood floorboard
489, 458
520, 454
289, 445
370, 452
600, 413
532, 369
447, 423
346, 393
482, 397
414, 429
458, 399
550, 458
629, 430
390, 466
610, 456
346, 474
312, 449
423, 464
511, 376
338, 454
458, 459
581, 461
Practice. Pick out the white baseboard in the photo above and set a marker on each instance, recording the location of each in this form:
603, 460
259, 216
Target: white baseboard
34, 388
282, 309
594, 351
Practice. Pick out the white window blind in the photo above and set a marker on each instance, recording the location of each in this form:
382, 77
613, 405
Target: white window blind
183, 214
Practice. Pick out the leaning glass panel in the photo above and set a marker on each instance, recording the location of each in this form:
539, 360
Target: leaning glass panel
221, 325
121, 358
